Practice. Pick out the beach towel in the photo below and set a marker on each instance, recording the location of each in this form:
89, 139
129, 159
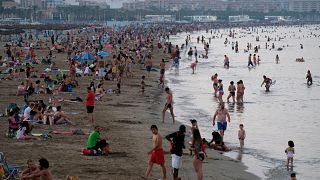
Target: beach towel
91, 152
73, 132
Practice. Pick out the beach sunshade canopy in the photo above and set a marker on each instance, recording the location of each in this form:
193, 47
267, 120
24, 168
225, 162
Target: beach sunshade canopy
87, 57
103, 54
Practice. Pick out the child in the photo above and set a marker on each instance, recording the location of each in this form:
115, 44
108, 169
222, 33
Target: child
309, 78
290, 151
143, 84
293, 176
193, 66
232, 90
241, 135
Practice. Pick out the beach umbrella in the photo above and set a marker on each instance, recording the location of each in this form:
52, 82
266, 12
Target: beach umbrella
103, 54
76, 57
87, 57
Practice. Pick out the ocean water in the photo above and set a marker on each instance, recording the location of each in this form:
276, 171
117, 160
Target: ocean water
289, 112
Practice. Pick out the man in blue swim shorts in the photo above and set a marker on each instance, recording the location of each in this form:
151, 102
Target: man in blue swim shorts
221, 117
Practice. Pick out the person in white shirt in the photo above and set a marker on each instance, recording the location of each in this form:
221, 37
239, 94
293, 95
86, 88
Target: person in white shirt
26, 112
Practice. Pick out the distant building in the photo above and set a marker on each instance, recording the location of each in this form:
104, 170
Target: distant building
9, 4
53, 3
201, 18
304, 5
239, 18
159, 18
32, 3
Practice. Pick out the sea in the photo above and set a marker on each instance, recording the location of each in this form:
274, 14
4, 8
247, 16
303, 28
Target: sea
290, 111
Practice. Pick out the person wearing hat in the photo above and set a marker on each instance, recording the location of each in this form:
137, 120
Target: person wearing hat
176, 140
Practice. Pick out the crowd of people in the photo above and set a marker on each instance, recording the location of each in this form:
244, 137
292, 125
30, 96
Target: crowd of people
130, 46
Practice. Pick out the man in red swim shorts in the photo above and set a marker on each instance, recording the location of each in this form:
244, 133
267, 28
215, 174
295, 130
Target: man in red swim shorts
156, 153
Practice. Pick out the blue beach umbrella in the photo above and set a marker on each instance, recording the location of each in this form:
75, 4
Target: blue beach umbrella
103, 54
76, 57
87, 57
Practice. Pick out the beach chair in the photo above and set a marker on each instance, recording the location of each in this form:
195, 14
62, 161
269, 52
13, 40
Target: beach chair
9, 171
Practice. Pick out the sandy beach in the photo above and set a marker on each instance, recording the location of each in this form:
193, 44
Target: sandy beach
126, 119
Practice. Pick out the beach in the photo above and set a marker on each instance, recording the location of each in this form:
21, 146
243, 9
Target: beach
125, 119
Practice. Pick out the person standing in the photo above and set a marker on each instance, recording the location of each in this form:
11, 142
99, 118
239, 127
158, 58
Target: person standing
241, 135
232, 91
148, 65
220, 90
156, 153
240, 91
221, 117
215, 81
197, 153
168, 105
277, 59
309, 78
90, 105
162, 71
250, 61
176, 140
226, 61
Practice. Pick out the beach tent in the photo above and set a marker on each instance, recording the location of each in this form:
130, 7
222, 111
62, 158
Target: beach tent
87, 57
103, 54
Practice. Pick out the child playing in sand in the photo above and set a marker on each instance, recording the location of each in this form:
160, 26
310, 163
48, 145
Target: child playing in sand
143, 84
241, 135
290, 151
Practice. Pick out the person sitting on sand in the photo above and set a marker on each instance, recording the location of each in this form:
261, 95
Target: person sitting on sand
24, 132
218, 142
60, 117
44, 172
95, 143
48, 116
13, 122
100, 92
21, 89
31, 169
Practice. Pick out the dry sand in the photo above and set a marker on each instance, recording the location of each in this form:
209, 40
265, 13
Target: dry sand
126, 120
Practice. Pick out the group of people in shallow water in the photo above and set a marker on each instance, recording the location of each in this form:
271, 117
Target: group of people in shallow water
235, 92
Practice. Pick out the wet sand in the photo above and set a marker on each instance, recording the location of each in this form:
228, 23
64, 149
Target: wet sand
126, 120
